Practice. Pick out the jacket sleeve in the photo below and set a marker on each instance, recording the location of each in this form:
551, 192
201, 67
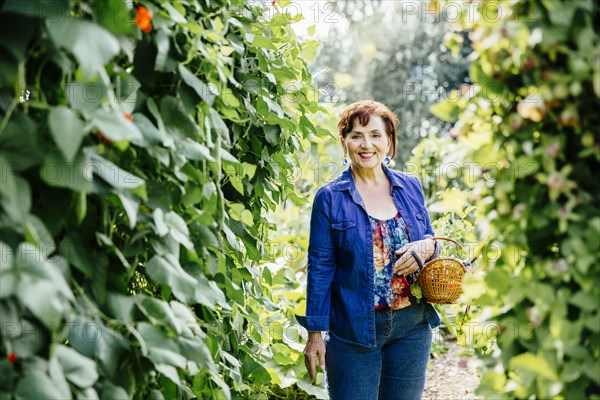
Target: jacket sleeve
321, 265
428, 228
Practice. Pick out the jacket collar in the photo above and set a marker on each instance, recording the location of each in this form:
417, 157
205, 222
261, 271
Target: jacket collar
346, 181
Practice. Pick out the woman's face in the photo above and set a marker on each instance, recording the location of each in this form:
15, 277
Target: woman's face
367, 145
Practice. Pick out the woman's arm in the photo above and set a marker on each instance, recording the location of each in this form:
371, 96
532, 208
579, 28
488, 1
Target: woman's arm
320, 270
321, 266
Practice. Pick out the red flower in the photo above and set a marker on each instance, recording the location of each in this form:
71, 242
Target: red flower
12, 357
143, 19
128, 117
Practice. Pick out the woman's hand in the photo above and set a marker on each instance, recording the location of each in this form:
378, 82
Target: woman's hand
315, 347
407, 264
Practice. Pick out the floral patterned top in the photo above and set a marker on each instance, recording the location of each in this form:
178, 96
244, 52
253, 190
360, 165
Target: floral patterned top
392, 291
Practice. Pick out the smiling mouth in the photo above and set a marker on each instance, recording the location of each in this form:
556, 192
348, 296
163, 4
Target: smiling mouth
366, 155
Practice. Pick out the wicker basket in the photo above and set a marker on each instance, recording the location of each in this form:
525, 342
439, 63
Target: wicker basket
441, 279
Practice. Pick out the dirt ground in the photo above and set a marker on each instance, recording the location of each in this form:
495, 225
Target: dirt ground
450, 377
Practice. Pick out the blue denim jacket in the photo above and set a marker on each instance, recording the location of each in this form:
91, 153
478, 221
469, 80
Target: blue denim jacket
340, 287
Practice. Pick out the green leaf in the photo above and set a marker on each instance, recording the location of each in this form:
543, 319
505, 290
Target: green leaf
67, 130
174, 13
272, 133
281, 354
170, 372
37, 233
20, 146
532, 363
274, 107
247, 218
130, 205
7, 257
15, 195
78, 369
196, 350
161, 348
559, 13
309, 49
236, 43
307, 127
58, 172
8, 283
200, 87
498, 279
38, 386
42, 299
297, 200
113, 175
170, 273
261, 41
178, 229
110, 391
92, 45
86, 97
218, 125
193, 150
159, 312
115, 126
114, 15
151, 134
73, 248
445, 110
167, 270
32, 264
121, 306
160, 226
88, 394
177, 120
57, 375
185, 315
585, 300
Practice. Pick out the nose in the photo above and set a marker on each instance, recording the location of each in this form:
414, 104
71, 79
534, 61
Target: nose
365, 143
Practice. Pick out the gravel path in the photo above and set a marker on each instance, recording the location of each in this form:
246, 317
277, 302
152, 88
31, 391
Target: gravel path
449, 377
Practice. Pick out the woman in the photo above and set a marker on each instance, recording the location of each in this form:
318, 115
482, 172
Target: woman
364, 225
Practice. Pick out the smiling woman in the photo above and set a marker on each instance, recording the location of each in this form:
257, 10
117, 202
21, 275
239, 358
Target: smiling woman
368, 142
363, 228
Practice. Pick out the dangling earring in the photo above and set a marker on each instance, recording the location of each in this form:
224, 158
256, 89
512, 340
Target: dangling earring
345, 161
387, 160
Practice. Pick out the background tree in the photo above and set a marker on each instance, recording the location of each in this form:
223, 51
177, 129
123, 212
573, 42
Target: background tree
393, 52
533, 146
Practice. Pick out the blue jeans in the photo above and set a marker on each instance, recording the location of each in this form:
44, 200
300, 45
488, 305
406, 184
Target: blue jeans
395, 369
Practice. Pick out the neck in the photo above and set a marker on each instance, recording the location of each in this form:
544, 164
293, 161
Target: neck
368, 177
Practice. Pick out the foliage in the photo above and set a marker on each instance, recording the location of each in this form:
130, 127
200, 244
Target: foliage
531, 129
440, 163
137, 163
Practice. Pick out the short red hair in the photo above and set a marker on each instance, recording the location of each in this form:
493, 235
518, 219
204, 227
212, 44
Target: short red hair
362, 111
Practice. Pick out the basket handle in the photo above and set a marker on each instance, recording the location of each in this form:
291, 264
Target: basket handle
418, 259
466, 263
449, 240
